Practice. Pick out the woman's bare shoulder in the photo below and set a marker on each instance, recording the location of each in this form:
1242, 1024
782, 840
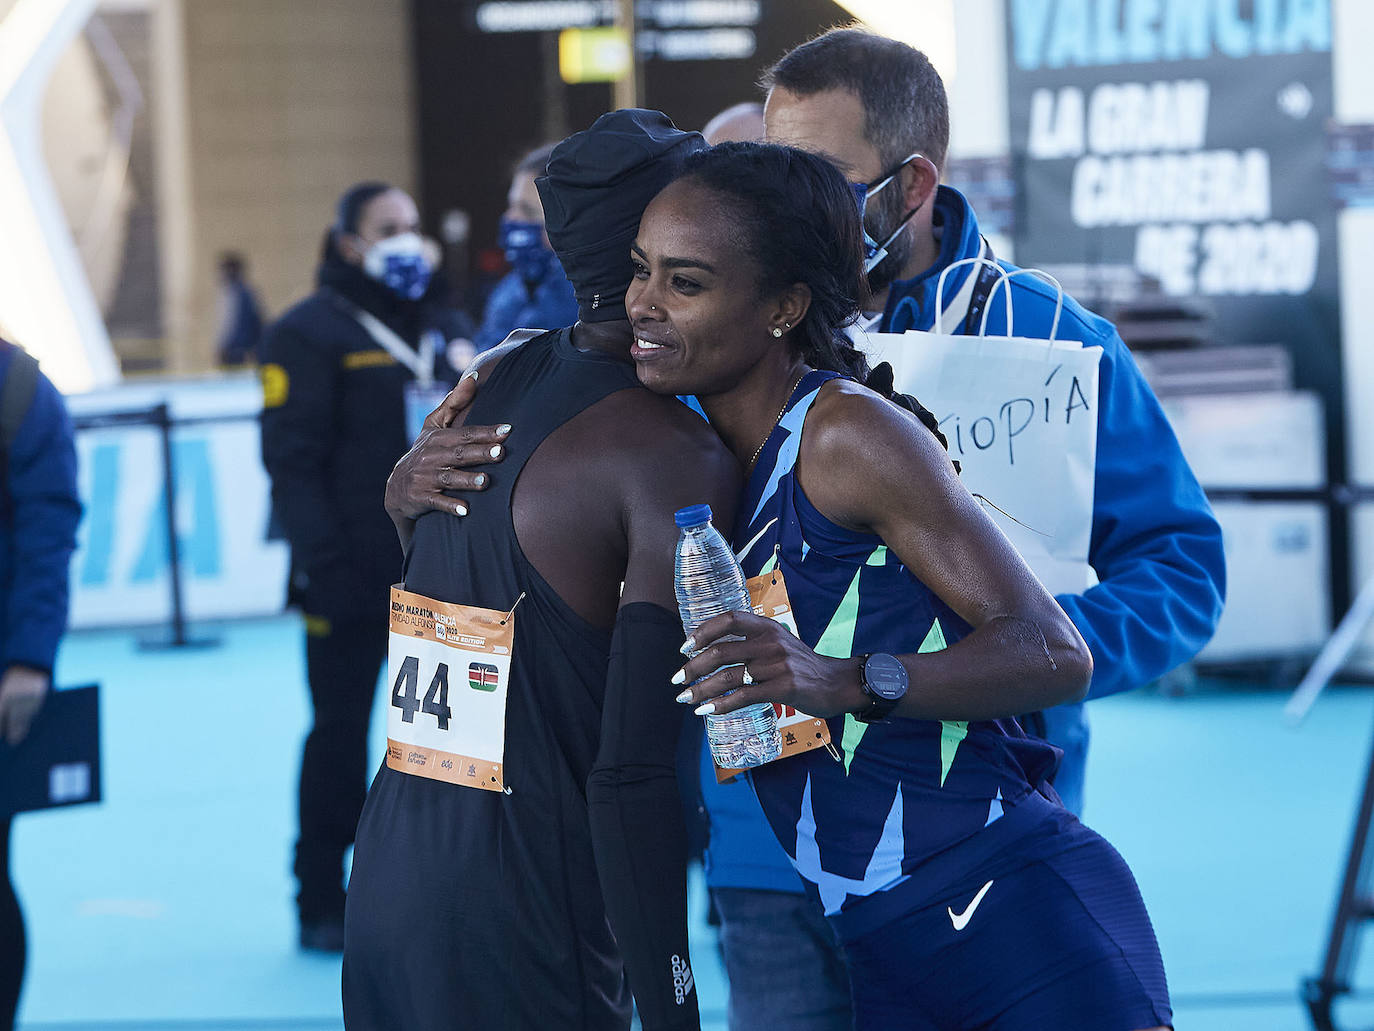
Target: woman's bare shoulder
859, 451
848, 420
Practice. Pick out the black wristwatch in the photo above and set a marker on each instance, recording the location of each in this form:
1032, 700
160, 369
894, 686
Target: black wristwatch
884, 682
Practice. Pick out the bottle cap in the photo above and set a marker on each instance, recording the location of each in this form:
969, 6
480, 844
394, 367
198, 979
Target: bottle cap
692, 515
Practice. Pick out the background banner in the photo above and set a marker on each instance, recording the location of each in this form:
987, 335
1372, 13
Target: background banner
1188, 147
1173, 152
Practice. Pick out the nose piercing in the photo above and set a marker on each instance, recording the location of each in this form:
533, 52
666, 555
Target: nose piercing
653, 307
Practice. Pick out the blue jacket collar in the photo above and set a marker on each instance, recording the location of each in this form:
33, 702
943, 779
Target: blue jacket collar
911, 302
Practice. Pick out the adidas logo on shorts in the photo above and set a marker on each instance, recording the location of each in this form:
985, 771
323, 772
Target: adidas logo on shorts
683, 982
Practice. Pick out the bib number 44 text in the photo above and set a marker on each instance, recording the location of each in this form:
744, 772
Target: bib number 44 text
405, 693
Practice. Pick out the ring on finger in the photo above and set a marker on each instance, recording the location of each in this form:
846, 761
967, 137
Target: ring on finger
748, 678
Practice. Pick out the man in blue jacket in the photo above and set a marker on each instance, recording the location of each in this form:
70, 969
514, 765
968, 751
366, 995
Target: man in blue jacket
535, 294
878, 109
39, 511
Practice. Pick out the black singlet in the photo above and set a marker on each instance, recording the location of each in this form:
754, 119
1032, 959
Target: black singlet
469, 908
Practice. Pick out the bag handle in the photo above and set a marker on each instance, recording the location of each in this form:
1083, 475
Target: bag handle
983, 260
16, 397
1007, 277
1003, 277
20, 383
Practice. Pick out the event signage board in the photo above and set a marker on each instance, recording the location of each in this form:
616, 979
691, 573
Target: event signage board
229, 566
1183, 143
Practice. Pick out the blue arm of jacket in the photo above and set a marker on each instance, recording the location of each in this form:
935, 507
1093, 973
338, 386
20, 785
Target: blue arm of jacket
511, 307
44, 510
1156, 547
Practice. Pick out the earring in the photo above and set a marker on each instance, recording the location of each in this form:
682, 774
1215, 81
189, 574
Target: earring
777, 332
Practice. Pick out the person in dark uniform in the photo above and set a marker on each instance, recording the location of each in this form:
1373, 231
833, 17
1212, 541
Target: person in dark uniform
533, 908
339, 371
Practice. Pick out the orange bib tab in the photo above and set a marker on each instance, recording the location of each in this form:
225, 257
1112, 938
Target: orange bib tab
449, 670
800, 732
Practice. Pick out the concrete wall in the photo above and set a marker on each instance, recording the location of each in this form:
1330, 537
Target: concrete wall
978, 88
268, 111
978, 125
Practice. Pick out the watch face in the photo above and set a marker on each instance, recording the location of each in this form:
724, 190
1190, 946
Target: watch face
885, 676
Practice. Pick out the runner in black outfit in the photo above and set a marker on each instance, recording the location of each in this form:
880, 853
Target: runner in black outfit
476, 909
333, 425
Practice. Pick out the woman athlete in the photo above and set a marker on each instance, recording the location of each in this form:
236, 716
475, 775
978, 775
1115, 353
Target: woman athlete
964, 895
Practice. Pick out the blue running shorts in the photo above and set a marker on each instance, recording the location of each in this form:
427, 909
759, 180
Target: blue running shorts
1062, 942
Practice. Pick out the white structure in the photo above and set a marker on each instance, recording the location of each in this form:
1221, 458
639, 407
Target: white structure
45, 300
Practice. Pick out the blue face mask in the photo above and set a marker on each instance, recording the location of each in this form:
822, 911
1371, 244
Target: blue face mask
875, 252
525, 249
399, 263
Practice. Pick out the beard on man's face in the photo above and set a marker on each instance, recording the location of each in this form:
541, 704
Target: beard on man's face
883, 214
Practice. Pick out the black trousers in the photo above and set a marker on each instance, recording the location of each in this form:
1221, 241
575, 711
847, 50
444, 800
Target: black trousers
12, 945
343, 660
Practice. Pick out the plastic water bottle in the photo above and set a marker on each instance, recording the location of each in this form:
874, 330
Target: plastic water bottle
709, 583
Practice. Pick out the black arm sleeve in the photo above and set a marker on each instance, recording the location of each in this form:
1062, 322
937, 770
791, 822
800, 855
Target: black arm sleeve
636, 817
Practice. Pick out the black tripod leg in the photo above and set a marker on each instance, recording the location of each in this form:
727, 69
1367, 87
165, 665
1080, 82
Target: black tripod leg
1352, 909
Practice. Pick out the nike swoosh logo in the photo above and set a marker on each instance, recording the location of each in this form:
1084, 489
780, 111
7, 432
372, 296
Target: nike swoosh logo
960, 920
739, 555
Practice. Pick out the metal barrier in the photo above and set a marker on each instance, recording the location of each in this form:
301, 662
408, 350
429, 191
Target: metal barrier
160, 417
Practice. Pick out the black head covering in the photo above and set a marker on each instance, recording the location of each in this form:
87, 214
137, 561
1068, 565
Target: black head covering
350, 206
598, 184
347, 213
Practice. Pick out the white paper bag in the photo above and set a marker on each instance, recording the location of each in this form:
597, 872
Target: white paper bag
1021, 418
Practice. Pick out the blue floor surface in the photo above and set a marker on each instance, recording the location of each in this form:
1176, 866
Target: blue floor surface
170, 906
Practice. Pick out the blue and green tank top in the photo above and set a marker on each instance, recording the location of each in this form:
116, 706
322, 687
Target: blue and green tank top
866, 830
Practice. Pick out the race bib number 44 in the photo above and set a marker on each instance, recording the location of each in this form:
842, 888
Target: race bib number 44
449, 670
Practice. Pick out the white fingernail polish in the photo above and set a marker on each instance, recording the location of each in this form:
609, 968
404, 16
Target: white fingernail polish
685, 697
496, 451
689, 647
706, 709
503, 429
480, 479
680, 677
462, 511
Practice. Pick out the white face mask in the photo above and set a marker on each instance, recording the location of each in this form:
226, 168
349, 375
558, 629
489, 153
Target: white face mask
400, 264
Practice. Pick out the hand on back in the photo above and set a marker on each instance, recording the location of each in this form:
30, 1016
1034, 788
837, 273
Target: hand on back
440, 458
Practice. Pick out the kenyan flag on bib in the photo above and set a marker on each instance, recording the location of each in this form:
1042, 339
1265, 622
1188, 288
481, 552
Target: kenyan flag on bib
482, 676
